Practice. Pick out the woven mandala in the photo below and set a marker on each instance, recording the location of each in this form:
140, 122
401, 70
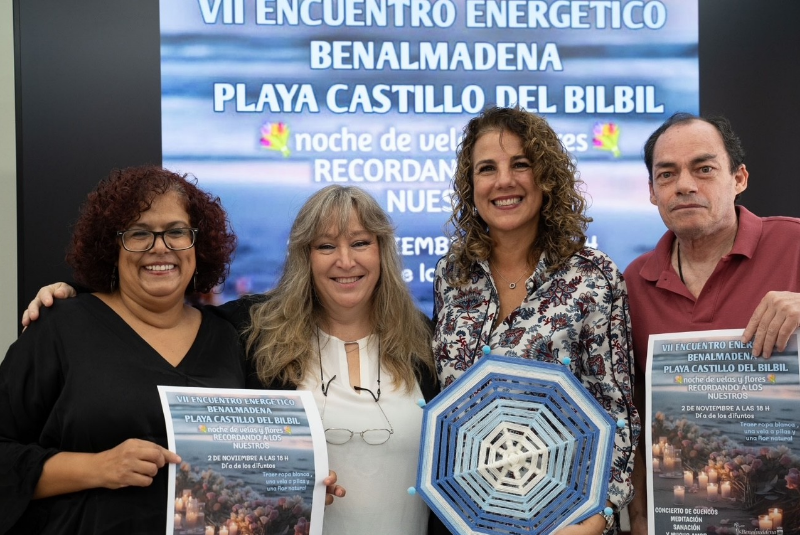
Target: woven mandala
515, 447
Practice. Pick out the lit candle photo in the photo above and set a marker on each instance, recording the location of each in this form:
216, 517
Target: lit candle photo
776, 515
702, 480
233, 528
678, 493
191, 518
712, 475
177, 521
764, 522
688, 478
669, 463
656, 450
209, 530
677, 462
223, 530
712, 491
725, 489
656, 465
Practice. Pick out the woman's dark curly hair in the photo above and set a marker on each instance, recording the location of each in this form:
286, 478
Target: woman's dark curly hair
563, 221
120, 199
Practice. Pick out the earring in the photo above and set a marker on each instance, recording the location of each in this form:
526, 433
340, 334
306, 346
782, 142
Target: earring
194, 281
113, 278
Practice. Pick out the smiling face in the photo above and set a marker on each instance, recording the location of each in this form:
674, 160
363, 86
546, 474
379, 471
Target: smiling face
693, 185
346, 268
159, 275
506, 194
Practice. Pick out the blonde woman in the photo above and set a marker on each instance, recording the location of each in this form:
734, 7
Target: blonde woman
342, 324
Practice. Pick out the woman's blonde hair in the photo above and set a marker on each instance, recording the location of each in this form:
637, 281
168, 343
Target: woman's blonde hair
282, 334
563, 222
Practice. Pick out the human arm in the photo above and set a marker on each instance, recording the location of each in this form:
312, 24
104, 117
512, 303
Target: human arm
236, 312
41, 405
774, 320
594, 525
608, 373
133, 463
45, 297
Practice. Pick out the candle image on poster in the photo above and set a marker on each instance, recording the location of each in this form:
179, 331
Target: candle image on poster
268, 101
721, 436
249, 462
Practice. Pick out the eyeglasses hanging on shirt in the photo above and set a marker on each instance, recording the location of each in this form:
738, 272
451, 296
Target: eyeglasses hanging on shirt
340, 435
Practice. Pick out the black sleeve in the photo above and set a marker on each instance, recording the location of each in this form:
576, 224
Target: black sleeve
428, 383
31, 379
237, 312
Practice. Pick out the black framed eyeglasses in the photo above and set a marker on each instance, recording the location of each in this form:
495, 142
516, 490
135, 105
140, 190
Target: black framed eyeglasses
141, 240
340, 435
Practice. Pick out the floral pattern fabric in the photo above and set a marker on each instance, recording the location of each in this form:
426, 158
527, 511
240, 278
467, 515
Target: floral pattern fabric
579, 311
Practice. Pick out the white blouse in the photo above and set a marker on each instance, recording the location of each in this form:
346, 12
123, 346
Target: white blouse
376, 478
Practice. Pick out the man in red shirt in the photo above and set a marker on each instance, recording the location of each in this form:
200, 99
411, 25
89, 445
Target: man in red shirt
718, 266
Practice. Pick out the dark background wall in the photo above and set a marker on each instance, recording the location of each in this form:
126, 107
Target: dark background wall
88, 100
750, 72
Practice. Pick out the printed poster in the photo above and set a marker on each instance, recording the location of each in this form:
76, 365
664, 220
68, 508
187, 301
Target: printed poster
253, 462
722, 445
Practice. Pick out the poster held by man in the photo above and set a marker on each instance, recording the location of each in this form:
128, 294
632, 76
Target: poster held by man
721, 435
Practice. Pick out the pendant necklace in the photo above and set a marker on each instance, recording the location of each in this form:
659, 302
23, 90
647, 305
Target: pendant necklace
511, 285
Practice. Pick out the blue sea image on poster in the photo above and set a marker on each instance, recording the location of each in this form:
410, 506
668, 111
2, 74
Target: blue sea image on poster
267, 101
248, 462
723, 445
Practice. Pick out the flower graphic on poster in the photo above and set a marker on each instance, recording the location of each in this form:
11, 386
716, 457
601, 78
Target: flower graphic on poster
765, 478
606, 137
275, 136
207, 502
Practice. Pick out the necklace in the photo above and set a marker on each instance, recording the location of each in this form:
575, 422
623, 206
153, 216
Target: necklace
511, 285
680, 267
326, 386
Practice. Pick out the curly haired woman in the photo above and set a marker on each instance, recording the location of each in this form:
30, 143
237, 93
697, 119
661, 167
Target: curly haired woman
520, 279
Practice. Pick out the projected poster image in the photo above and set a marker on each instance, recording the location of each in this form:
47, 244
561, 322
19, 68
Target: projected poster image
268, 101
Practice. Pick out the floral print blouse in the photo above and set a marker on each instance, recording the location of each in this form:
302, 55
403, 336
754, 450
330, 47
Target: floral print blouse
579, 311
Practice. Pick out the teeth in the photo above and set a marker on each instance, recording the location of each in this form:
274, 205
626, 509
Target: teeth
508, 202
347, 280
160, 267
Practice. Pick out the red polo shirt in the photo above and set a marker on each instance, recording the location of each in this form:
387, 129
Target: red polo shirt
765, 257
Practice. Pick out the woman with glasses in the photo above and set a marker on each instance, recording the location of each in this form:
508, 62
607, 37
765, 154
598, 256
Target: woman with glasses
82, 434
342, 324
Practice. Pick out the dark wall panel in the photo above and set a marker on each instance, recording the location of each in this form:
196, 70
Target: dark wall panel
750, 72
88, 100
